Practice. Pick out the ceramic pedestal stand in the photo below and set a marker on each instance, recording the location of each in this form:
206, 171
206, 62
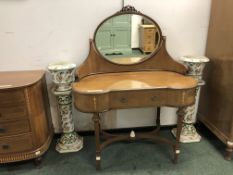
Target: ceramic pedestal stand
63, 76
196, 66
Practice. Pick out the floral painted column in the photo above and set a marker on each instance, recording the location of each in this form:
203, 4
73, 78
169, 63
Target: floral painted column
196, 66
63, 76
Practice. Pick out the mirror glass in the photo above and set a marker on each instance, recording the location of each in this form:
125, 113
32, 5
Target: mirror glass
127, 38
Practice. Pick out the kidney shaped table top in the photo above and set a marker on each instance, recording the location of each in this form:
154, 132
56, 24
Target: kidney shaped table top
102, 92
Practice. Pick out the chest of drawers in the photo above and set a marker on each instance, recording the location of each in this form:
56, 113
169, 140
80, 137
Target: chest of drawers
25, 127
148, 38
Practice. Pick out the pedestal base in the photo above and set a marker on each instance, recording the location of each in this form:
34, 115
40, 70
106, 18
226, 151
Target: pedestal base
189, 136
69, 142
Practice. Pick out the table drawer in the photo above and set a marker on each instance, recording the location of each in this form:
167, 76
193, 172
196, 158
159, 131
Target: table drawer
138, 99
15, 127
16, 144
147, 98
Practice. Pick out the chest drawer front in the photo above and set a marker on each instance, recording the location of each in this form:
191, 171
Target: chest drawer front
149, 37
13, 113
16, 127
9, 97
148, 48
16, 144
148, 42
149, 31
12, 105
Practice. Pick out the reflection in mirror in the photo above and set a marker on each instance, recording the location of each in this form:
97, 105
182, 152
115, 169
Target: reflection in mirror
127, 38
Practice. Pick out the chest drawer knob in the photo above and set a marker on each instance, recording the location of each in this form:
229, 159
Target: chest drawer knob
154, 98
2, 130
5, 147
123, 100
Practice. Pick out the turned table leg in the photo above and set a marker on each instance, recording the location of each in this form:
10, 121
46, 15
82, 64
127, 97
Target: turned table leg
176, 148
96, 119
158, 118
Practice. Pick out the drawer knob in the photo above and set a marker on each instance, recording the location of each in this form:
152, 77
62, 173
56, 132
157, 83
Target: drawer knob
154, 98
5, 146
2, 130
123, 100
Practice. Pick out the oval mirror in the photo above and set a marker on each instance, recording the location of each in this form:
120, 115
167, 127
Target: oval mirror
127, 38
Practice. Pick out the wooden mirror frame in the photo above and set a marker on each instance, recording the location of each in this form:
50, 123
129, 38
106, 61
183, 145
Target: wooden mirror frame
129, 10
95, 63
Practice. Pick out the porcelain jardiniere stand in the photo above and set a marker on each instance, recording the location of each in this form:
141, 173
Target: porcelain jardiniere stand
196, 66
63, 76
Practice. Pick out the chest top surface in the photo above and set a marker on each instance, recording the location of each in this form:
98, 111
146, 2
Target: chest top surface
16, 79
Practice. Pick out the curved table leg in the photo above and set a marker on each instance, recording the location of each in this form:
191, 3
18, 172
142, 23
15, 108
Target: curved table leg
96, 119
176, 147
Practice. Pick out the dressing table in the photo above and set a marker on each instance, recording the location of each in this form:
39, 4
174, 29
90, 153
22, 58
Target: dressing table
123, 77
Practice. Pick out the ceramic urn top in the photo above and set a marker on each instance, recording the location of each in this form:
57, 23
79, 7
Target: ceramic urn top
61, 66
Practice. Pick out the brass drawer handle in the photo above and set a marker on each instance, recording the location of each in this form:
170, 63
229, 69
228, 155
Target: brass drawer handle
123, 100
154, 98
2, 130
5, 147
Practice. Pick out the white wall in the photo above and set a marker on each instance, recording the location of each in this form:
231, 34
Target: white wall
34, 33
